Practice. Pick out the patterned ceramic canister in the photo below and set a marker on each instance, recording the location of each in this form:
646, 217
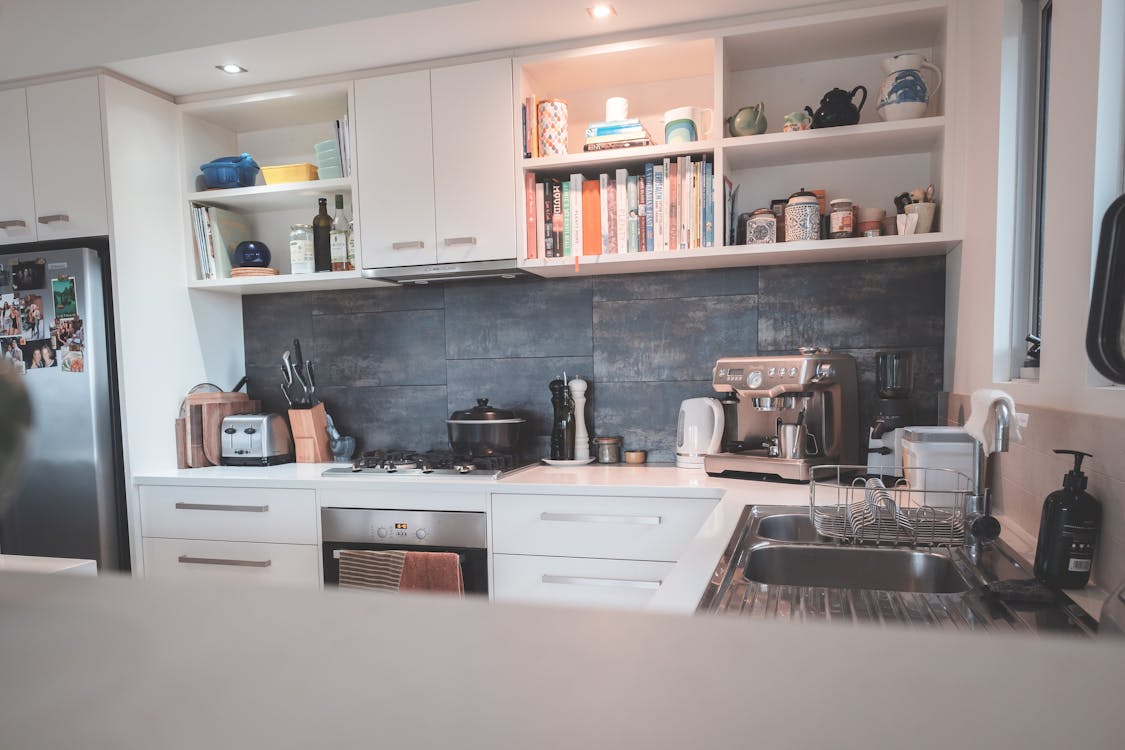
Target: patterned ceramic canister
762, 228
552, 127
904, 93
802, 217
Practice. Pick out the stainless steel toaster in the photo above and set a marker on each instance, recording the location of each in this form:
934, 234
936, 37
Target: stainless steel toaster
256, 440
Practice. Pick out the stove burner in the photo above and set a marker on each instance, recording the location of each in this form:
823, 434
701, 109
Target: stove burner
431, 462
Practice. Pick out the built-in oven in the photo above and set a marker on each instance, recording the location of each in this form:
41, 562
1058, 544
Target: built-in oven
462, 532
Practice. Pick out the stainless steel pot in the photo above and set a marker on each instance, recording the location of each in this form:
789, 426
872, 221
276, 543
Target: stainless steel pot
483, 431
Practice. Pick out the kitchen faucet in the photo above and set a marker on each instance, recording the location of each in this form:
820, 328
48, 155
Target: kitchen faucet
981, 527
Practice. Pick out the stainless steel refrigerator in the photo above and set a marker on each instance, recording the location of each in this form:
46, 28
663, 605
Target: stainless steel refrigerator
56, 319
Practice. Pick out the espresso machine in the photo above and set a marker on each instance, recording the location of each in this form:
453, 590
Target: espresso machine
793, 412
894, 410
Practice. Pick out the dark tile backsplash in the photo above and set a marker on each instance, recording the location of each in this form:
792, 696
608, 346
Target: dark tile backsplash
392, 363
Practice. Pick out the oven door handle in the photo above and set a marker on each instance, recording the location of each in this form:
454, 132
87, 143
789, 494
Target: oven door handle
601, 518
624, 583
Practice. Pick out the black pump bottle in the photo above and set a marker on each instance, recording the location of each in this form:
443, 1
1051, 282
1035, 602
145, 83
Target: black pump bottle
1068, 531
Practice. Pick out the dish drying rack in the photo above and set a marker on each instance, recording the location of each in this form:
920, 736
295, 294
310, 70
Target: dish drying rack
924, 507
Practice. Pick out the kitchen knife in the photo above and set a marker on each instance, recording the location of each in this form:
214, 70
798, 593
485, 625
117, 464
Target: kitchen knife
286, 373
300, 363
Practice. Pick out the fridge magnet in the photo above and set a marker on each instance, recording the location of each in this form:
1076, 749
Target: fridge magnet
67, 333
32, 323
72, 361
9, 315
13, 352
66, 299
38, 355
30, 274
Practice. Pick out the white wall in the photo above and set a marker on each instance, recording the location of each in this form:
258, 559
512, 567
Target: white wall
1073, 206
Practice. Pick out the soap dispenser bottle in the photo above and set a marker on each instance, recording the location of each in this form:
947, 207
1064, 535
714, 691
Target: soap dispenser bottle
1068, 531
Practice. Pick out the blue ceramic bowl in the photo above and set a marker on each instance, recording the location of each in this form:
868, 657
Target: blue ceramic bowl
252, 254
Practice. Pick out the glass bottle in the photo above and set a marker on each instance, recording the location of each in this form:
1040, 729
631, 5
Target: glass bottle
562, 430
301, 248
322, 238
338, 237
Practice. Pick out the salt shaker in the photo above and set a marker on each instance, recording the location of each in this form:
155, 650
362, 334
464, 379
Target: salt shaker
581, 437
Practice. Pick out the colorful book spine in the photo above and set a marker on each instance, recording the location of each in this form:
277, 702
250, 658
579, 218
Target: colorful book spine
611, 145
567, 249
708, 205
633, 228
523, 119
548, 237
576, 214
556, 216
672, 191
591, 218
660, 214
595, 129
540, 212
649, 189
642, 213
532, 249
612, 234
622, 184
603, 209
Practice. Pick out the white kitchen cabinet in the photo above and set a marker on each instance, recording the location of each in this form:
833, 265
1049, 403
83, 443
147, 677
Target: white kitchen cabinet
590, 550
247, 534
54, 171
434, 149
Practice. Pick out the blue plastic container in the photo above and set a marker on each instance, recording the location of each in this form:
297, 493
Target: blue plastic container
230, 172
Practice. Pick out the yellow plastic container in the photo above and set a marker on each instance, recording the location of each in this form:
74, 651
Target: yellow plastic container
289, 173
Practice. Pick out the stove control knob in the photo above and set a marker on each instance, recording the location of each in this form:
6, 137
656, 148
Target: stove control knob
382, 533
421, 533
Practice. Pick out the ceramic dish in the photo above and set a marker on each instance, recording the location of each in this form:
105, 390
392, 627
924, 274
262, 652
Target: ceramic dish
567, 461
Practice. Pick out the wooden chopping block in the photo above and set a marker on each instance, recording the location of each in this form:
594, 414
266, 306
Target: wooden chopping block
181, 443
310, 435
196, 458
213, 415
216, 398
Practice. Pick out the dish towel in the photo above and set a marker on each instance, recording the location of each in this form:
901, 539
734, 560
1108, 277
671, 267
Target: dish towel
982, 418
397, 570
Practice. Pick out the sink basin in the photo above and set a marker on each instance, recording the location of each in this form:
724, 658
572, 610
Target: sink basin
855, 568
788, 527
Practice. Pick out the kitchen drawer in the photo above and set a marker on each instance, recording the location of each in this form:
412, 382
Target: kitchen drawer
249, 562
576, 580
632, 528
231, 513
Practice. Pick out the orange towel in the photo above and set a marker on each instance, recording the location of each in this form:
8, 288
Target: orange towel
396, 570
432, 571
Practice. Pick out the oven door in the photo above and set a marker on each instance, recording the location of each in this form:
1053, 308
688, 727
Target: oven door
474, 561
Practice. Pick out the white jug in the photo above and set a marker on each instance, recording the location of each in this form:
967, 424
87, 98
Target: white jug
699, 431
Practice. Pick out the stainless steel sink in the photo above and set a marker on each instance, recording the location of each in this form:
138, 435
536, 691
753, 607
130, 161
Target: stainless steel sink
855, 568
788, 527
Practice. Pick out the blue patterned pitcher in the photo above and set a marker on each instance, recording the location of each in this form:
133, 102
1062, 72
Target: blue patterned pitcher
904, 94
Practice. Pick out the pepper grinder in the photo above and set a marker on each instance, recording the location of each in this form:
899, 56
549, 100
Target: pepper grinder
581, 437
562, 449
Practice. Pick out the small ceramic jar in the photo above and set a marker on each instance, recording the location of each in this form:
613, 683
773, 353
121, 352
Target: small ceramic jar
802, 217
841, 219
761, 228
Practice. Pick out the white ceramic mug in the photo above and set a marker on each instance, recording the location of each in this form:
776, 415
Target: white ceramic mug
616, 109
686, 124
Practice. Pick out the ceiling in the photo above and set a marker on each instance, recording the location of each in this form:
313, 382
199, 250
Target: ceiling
174, 45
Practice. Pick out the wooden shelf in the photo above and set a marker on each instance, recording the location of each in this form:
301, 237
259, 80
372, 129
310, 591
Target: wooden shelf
305, 282
273, 197
823, 251
832, 144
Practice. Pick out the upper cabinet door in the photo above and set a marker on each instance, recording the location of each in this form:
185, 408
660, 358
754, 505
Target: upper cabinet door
17, 201
395, 169
474, 152
66, 157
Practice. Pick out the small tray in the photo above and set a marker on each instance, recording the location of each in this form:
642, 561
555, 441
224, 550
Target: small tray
567, 461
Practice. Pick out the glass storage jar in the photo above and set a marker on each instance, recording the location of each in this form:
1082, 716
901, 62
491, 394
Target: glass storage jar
841, 220
608, 449
301, 249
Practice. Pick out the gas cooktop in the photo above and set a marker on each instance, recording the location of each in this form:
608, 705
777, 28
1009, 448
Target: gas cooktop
431, 463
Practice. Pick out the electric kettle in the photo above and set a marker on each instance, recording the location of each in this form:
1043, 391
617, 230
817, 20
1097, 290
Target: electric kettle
699, 430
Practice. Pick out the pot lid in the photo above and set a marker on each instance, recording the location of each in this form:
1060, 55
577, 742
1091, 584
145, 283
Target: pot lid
803, 196
483, 412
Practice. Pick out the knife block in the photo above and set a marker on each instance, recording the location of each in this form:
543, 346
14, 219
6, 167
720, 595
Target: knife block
310, 435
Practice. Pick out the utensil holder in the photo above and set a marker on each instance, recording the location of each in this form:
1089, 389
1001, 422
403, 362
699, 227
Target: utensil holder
310, 435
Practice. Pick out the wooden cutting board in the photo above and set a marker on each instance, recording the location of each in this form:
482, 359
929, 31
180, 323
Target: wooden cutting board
213, 415
181, 443
196, 458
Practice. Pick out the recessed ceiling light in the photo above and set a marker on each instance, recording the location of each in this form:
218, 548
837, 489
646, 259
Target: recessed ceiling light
601, 10
231, 69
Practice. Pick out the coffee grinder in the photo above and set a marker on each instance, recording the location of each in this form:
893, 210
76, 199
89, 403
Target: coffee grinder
894, 382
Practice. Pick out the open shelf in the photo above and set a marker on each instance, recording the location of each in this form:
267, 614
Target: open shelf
821, 251
622, 157
273, 197
305, 282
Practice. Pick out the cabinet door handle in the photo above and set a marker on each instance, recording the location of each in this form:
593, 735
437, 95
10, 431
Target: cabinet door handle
600, 518
460, 241
13, 223
53, 217
620, 583
415, 245
236, 508
225, 561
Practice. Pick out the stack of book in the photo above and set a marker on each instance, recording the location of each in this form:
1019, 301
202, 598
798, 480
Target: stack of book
666, 205
616, 134
217, 233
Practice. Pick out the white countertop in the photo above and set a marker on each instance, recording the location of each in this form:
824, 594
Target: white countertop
111, 662
32, 564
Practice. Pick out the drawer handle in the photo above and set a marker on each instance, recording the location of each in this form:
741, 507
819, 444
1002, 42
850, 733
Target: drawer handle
225, 561
450, 241
53, 217
415, 245
13, 223
621, 583
236, 508
600, 518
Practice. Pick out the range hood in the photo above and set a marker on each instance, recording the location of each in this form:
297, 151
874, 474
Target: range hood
440, 272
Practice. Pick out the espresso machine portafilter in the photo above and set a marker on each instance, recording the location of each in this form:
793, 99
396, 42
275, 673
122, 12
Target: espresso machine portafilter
793, 412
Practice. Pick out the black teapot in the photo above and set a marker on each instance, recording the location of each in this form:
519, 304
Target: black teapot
836, 108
